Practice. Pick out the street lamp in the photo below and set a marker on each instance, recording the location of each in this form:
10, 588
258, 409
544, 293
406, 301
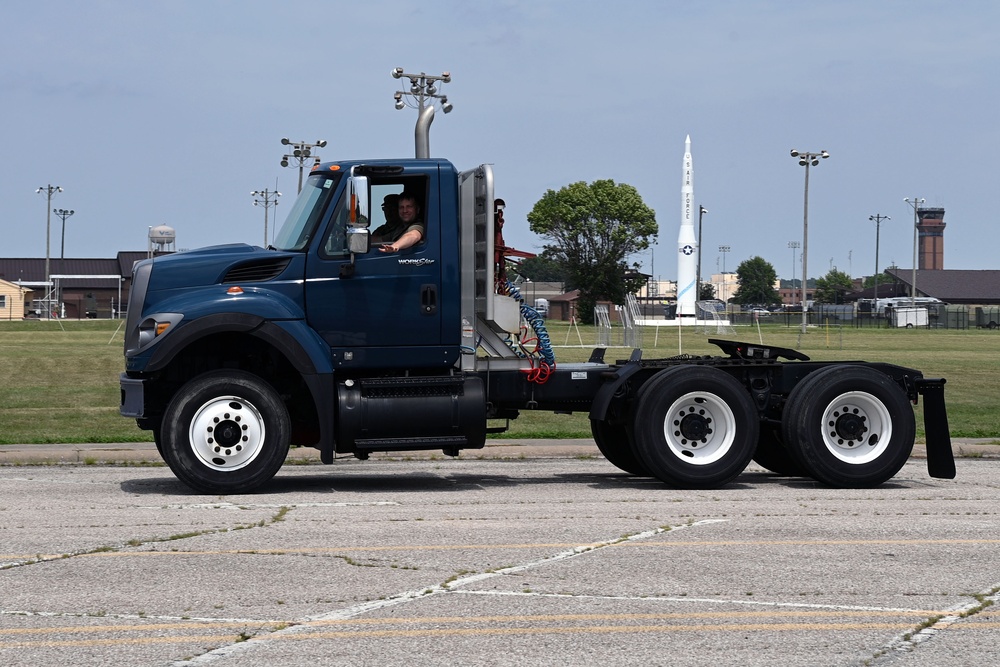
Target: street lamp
724, 249
49, 190
63, 213
806, 160
877, 219
697, 295
421, 94
794, 245
267, 199
915, 202
301, 151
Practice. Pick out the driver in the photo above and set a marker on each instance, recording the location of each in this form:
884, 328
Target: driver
403, 230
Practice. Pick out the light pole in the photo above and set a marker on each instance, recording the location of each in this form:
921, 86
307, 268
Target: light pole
794, 245
422, 88
697, 295
301, 151
63, 213
877, 219
267, 199
724, 249
49, 190
915, 202
806, 160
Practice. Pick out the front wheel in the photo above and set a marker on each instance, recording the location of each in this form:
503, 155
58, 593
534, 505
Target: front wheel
849, 426
694, 427
226, 432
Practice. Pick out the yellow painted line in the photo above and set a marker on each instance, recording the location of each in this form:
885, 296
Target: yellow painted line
754, 543
919, 614
481, 632
594, 629
180, 639
539, 545
153, 625
473, 547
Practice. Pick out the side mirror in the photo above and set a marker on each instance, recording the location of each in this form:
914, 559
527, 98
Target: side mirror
360, 204
358, 240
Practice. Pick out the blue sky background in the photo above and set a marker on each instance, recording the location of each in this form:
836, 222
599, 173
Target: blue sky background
151, 113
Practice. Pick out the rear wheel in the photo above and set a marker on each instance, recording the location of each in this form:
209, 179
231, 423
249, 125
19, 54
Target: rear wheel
612, 441
694, 427
849, 426
225, 432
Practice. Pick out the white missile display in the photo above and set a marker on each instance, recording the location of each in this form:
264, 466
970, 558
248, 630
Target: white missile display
687, 242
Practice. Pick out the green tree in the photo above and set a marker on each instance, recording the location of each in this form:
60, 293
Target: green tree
593, 229
541, 269
707, 292
756, 278
883, 279
832, 287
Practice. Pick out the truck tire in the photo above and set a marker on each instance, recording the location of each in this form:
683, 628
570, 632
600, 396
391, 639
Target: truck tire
612, 441
849, 426
771, 454
694, 427
225, 432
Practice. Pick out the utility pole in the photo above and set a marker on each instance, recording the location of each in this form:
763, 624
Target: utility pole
301, 151
63, 213
267, 199
806, 160
794, 245
915, 203
50, 191
877, 219
724, 249
697, 295
421, 95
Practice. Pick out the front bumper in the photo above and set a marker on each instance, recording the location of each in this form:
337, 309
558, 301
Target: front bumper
133, 397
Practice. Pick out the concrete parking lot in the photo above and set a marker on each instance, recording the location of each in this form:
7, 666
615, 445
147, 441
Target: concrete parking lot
507, 561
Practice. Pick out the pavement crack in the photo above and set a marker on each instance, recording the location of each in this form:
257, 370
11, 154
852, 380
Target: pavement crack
934, 625
277, 517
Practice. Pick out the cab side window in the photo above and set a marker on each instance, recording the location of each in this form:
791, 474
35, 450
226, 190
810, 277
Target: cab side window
386, 224
396, 207
335, 243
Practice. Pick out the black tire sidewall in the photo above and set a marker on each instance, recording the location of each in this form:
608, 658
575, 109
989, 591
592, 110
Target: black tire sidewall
802, 427
613, 442
771, 453
654, 400
186, 465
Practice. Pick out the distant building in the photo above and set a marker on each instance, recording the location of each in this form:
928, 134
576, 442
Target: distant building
12, 300
80, 288
930, 231
955, 286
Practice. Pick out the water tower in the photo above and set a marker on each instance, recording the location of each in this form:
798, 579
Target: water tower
163, 238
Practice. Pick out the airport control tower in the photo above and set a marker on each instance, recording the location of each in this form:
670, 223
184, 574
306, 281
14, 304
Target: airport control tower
930, 231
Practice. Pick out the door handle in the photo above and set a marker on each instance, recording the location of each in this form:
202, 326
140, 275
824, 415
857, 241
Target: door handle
428, 299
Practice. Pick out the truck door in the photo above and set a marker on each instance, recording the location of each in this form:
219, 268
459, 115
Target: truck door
385, 310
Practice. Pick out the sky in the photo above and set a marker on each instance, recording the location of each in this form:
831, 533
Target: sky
172, 112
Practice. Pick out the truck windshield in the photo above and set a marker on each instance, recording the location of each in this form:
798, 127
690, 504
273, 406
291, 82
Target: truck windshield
306, 213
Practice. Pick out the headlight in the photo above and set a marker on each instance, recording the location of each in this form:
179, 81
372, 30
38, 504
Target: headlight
151, 328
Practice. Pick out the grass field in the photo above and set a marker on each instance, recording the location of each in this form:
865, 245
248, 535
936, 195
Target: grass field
59, 384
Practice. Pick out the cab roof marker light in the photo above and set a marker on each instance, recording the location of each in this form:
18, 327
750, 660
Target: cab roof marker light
235, 289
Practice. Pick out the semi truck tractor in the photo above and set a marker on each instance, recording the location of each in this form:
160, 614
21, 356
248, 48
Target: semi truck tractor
325, 339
